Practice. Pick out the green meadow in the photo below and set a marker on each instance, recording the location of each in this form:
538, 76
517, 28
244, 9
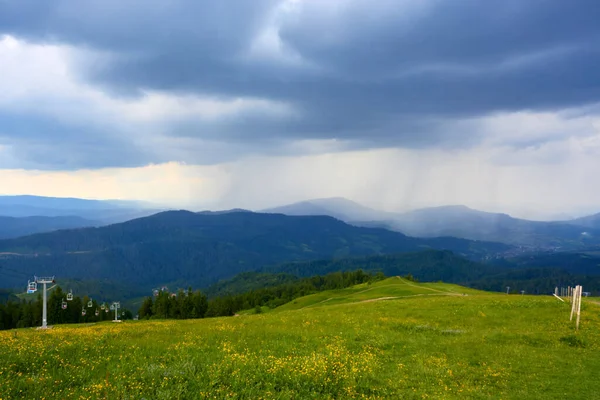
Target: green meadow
393, 339
389, 289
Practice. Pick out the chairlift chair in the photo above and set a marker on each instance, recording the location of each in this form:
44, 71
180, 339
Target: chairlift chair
97, 312
112, 307
90, 304
31, 286
64, 304
83, 312
70, 295
102, 306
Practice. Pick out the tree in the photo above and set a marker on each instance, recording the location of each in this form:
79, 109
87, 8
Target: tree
56, 315
146, 308
161, 308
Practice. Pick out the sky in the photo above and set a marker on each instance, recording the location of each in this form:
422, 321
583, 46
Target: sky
257, 103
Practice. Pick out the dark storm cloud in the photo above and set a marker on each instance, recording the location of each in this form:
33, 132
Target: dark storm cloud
466, 32
137, 26
379, 73
46, 144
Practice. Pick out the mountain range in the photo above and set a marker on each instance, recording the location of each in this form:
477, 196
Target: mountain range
11, 227
590, 221
458, 221
25, 215
198, 248
337, 207
181, 248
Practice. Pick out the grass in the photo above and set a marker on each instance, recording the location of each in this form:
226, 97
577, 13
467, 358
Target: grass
388, 289
479, 346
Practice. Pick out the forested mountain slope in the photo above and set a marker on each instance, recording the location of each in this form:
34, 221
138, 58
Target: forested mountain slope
191, 248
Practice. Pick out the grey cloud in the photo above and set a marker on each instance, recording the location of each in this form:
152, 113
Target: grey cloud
46, 144
389, 35
388, 73
136, 26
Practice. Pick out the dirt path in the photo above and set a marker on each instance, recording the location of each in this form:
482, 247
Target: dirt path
384, 298
402, 297
428, 288
370, 300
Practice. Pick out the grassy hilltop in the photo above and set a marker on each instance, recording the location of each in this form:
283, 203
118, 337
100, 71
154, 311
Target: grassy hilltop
389, 289
423, 341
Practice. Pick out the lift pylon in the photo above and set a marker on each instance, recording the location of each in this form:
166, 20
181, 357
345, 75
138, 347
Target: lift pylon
32, 287
115, 306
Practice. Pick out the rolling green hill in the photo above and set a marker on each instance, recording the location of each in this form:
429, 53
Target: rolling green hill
389, 289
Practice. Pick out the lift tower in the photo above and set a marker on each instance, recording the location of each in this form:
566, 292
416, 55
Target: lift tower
115, 306
32, 287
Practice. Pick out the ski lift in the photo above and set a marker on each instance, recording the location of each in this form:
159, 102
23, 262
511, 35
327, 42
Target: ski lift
31, 286
102, 306
64, 304
70, 295
112, 307
97, 312
83, 312
90, 304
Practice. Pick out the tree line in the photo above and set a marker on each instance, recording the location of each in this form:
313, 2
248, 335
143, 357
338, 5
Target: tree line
24, 314
186, 305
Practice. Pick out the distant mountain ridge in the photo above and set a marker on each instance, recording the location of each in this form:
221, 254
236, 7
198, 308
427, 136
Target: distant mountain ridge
11, 227
590, 221
35, 213
65, 203
337, 207
446, 221
233, 210
458, 221
464, 222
